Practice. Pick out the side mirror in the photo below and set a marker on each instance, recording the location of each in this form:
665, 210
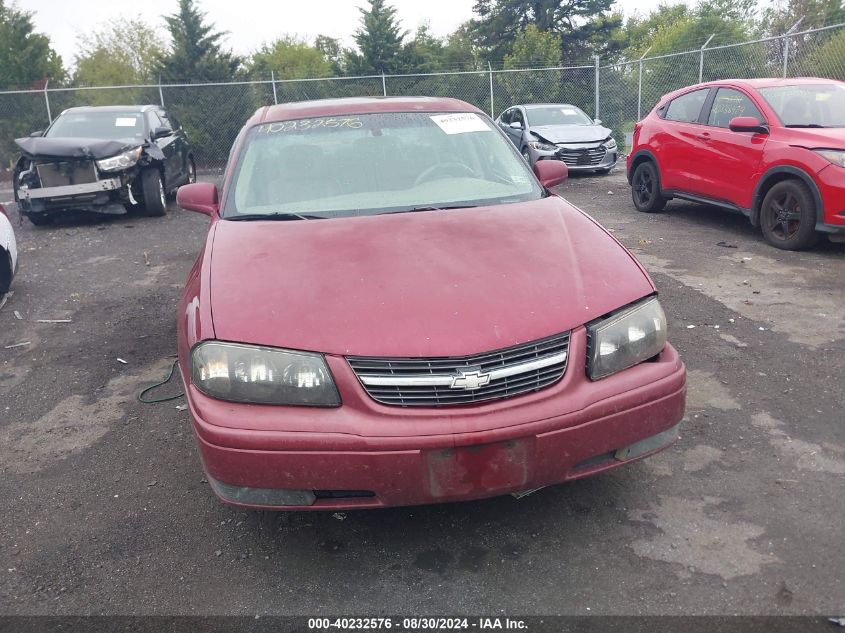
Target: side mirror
37, 133
597, 121
747, 124
550, 173
200, 197
516, 125
161, 132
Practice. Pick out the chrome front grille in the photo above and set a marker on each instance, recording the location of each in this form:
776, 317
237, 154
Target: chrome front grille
449, 381
587, 156
66, 173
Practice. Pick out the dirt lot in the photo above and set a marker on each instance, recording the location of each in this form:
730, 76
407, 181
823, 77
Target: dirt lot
104, 509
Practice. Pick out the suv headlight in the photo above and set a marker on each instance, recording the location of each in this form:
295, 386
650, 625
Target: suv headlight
543, 147
262, 375
610, 143
837, 157
627, 338
121, 161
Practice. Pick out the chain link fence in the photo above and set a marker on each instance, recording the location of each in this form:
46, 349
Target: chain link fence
619, 93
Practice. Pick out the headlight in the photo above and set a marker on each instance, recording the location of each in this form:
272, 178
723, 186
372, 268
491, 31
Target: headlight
837, 157
543, 147
610, 143
629, 337
262, 375
121, 161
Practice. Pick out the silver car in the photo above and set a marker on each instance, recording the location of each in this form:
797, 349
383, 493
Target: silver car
559, 131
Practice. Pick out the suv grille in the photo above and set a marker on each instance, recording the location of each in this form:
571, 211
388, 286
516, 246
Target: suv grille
439, 382
69, 173
581, 157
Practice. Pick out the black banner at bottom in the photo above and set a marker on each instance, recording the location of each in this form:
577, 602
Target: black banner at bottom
413, 624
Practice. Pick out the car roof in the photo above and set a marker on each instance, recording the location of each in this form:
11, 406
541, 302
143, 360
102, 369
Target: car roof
113, 108
533, 106
769, 82
358, 105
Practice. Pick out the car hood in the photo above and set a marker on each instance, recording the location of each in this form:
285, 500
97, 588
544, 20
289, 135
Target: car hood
817, 138
88, 148
435, 283
572, 133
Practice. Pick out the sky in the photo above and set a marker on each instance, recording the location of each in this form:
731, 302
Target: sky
250, 23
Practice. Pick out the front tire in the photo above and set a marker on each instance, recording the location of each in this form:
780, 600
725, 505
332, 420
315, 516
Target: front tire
788, 216
40, 219
526, 155
152, 186
645, 189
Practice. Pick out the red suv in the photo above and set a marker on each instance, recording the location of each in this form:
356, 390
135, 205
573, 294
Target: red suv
773, 149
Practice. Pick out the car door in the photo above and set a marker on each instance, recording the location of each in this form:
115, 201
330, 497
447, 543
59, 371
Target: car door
168, 144
728, 162
183, 148
516, 133
679, 139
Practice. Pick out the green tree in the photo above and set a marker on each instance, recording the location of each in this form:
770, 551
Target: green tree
538, 49
212, 115
26, 61
422, 54
117, 53
582, 25
533, 47
289, 57
195, 53
379, 39
828, 60
332, 50
26, 57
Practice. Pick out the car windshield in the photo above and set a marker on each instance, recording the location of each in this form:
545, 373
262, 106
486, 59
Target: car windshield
112, 126
366, 164
557, 115
803, 105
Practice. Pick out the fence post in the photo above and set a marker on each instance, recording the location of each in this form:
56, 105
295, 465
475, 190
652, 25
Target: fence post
383, 84
786, 46
596, 116
640, 86
492, 111
273, 79
160, 92
701, 59
47, 101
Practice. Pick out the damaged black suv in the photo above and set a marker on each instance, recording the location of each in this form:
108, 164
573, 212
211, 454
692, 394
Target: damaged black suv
105, 159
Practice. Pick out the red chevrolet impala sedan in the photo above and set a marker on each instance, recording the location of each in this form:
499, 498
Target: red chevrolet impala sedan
391, 308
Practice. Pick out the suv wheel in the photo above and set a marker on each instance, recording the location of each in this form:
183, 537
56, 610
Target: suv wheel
788, 216
155, 201
645, 189
40, 219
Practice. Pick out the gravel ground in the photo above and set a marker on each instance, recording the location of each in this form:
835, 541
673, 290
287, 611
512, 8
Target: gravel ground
104, 509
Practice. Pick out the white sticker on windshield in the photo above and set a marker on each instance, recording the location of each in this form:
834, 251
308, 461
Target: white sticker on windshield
568, 110
124, 121
460, 123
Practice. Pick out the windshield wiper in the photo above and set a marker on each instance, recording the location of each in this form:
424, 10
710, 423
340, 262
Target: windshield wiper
806, 125
273, 216
434, 208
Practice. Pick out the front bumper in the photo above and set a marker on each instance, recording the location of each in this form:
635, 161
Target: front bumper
611, 157
371, 455
831, 182
103, 196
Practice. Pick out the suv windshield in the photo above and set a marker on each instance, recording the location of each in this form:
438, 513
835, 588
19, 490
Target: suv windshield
557, 115
112, 126
366, 164
803, 105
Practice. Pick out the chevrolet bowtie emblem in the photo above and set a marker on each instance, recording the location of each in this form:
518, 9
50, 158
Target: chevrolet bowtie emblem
470, 380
